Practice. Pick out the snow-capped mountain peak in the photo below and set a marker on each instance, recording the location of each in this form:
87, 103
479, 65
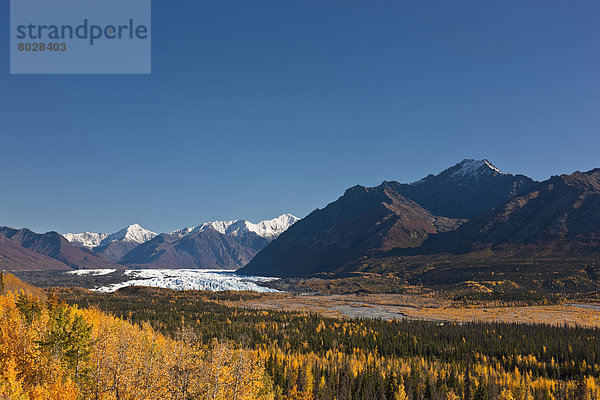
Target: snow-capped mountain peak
133, 234
467, 168
225, 227
219, 226
470, 167
272, 228
269, 229
183, 232
86, 239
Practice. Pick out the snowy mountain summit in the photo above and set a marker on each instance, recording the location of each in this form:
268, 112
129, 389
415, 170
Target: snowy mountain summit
474, 168
135, 234
86, 239
272, 228
268, 229
217, 244
131, 234
467, 169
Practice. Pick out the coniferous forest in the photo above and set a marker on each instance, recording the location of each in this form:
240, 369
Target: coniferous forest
307, 356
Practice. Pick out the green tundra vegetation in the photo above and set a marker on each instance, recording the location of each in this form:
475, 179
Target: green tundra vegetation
308, 356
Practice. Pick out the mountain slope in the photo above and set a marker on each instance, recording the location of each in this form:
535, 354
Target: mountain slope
211, 249
10, 283
116, 250
563, 211
545, 240
201, 249
158, 252
55, 246
14, 257
362, 220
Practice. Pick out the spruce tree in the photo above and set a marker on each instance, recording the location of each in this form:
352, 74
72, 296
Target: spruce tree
467, 391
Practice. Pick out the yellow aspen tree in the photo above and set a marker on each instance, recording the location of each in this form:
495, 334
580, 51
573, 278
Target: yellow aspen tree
10, 385
400, 393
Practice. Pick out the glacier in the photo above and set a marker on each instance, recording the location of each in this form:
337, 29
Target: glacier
186, 279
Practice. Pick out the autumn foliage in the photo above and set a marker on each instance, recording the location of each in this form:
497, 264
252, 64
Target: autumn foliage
50, 350
10, 283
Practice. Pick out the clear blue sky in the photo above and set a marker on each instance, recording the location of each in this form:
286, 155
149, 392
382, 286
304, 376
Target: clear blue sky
256, 108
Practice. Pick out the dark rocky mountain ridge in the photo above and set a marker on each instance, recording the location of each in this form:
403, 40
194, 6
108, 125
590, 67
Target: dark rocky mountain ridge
561, 212
203, 249
14, 257
558, 216
363, 220
115, 251
54, 246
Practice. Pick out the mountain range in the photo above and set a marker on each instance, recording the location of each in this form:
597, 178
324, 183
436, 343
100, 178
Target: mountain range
218, 244
465, 209
470, 222
112, 246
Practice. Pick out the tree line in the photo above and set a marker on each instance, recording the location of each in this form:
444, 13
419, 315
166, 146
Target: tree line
309, 356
